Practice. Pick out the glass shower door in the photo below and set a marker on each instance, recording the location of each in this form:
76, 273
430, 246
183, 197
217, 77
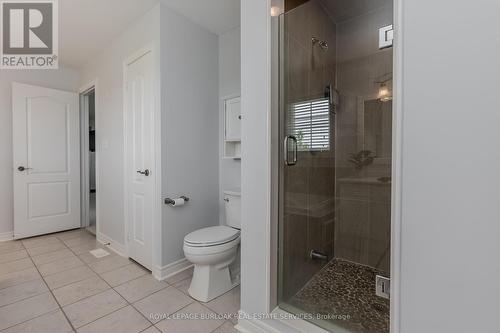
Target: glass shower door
336, 123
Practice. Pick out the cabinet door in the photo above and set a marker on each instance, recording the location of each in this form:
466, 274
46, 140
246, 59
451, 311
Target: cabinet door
233, 119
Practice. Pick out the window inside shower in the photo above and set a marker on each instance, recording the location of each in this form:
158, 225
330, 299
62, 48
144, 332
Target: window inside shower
335, 115
310, 124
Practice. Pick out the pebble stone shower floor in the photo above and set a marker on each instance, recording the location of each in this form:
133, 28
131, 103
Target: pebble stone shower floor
53, 284
346, 288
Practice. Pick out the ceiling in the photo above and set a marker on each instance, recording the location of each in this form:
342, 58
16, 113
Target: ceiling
87, 26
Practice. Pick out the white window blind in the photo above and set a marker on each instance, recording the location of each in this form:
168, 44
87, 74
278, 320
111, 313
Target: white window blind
310, 124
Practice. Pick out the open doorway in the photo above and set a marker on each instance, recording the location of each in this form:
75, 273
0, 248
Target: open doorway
89, 169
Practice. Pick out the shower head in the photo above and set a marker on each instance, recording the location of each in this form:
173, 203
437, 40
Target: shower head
322, 43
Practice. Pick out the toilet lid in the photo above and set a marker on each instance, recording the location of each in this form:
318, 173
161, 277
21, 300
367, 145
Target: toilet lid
211, 236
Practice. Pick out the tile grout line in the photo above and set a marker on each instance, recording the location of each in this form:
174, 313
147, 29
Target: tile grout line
22, 322
85, 264
223, 322
12, 260
111, 288
40, 277
49, 291
57, 302
170, 314
131, 304
100, 292
54, 260
68, 284
23, 299
191, 303
25, 321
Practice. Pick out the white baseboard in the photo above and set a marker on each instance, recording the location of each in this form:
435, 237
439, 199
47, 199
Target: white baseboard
250, 326
112, 244
6, 236
161, 273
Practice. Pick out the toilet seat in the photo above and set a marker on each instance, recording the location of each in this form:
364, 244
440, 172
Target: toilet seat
206, 251
211, 236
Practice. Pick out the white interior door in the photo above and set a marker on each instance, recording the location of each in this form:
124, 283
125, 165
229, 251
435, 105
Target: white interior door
46, 155
139, 147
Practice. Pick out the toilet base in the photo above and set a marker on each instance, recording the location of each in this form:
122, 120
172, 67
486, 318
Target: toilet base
210, 281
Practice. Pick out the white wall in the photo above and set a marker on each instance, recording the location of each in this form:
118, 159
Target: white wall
64, 79
255, 167
229, 85
450, 167
190, 127
107, 67
188, 79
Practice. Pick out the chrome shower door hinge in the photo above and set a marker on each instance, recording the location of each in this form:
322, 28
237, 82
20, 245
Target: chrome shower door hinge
385, 37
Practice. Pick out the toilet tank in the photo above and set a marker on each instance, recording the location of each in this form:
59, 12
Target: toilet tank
232, 204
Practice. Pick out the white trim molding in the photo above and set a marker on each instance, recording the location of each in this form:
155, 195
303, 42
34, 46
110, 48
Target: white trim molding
117, 247
397, 166
84, 161
163, 272
6, 236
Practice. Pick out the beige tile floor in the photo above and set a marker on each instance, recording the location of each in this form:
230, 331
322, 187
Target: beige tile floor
53, 284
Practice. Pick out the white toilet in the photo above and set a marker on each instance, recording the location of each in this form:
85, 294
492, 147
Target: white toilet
214, 253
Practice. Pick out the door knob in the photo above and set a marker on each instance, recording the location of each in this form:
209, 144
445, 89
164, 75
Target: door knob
21, 168
145, 172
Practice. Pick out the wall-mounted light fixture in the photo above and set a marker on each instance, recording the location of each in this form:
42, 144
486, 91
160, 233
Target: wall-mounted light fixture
384, 94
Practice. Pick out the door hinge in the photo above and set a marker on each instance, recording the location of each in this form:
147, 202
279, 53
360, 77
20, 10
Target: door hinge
385, 37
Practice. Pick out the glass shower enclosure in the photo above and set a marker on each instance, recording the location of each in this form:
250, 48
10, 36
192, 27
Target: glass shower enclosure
335, 118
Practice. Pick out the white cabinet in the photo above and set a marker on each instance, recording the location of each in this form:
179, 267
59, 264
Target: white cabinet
232, 116
232, 128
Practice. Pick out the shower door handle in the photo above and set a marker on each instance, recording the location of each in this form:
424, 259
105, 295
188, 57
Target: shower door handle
289, 138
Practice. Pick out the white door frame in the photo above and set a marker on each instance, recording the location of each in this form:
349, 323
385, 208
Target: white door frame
84, 160
397, 166
157, 195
